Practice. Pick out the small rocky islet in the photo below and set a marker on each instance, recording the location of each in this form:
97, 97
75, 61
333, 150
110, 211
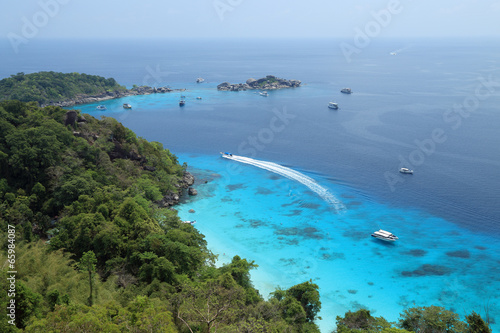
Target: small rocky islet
270, 82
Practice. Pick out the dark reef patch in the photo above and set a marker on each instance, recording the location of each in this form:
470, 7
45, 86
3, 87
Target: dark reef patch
309, 205
352, 291
234, 187
428, 270
415, 253
308, 232
479, 247
294, 212
256, 223
333, 256
352, 204
226, 199
274, 177
356, 235
263, 191
465, 254
288, 262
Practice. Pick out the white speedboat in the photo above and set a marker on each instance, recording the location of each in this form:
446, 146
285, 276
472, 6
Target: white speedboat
406, 170
346, 91
101, 108
226, 155
200, 80
198, 97
385, 236
333, 106
263, 93
189, 222
127, 106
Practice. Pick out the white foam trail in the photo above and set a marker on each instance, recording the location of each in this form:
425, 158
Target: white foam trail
294, 175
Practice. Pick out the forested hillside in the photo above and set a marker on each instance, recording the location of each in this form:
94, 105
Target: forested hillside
97, 248
45, 87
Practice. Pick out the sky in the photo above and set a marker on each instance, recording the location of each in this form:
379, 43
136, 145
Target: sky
248, 18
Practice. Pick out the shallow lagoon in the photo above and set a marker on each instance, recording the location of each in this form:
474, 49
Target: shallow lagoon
294, 235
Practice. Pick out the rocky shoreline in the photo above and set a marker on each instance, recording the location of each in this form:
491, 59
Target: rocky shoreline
83, 99
270, 82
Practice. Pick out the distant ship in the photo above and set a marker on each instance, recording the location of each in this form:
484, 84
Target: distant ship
406, 170
346, 91
333, 106
200, 80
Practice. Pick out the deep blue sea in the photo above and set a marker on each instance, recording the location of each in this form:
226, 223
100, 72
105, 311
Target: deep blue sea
314, 183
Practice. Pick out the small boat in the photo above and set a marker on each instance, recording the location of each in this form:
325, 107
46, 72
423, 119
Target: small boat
263, 93
182, 102
406, 170
189, 222
226, 155
198, 97
385, 236
127, 106
200, 80
333, 106
346, 91
101, 107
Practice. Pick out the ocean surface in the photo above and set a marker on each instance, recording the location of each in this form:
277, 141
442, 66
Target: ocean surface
308, 185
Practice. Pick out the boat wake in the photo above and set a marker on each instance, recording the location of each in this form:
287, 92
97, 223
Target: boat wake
294, 175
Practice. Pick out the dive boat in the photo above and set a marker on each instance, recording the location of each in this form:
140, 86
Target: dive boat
385, 236
333, 106
200, 80
101, 107
127, 106
263, 93
406, 170
226, 155
346, 91
182, 102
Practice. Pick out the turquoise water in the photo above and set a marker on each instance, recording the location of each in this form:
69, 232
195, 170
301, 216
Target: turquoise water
294, 235
446, 215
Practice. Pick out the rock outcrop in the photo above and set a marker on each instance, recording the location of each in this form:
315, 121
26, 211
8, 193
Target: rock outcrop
270, 82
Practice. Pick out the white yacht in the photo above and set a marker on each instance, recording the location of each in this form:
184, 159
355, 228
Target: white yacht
189, 222
385, 236
346, 91
200, 80
333, 106
127, 106
406, 170
263, 93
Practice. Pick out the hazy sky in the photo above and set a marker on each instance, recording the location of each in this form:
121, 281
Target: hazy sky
248, 18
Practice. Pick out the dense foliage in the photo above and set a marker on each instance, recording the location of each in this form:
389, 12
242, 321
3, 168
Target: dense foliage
45, 87
94, 250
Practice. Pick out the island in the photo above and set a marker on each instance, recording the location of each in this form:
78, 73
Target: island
68, 89
270, 82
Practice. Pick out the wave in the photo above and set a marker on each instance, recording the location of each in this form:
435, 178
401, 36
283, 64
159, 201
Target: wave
294, 175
